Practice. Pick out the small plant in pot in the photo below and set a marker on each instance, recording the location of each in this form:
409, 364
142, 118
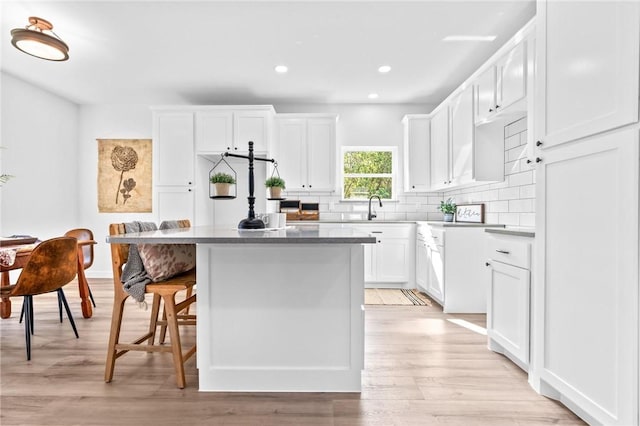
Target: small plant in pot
275, 185
222, 183
448, 209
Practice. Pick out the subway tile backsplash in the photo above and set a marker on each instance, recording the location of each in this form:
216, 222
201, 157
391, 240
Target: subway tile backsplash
511, 202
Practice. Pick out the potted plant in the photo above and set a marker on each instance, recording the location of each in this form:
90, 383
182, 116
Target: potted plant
275, 185
222, 182
448, 209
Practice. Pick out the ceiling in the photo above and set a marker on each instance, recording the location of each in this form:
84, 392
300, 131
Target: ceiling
216, 52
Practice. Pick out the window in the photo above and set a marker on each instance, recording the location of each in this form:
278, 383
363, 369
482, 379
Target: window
368, 171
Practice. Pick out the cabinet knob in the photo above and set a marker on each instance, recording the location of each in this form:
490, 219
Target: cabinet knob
379, 241
413, 186
189, 183
303, 186
445, 182
228, 148
497, 106
528, 161
189, 189
538, 159
309, 186
487, 264
449, 181
490, 109
235, 148
538, 143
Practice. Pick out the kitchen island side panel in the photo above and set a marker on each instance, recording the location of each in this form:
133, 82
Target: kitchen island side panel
281, 318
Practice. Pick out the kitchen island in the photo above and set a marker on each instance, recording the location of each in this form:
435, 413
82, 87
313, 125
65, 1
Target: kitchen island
278, 310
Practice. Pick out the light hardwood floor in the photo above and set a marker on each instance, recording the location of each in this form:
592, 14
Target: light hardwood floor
420, 369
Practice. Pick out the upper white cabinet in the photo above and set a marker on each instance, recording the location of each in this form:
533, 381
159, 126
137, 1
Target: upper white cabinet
462, 137
220, 129
440, 149
502, 84
417, 153
305, 149
173, 148
587, 68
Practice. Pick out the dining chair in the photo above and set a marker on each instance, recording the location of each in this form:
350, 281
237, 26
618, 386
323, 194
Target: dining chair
164, 291
52, 264
83, 234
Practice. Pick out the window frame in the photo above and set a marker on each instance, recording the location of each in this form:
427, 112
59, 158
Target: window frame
393, 175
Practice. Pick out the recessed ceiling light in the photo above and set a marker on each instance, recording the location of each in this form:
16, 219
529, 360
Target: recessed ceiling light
384, 69
281, 69
469, 38
373, 96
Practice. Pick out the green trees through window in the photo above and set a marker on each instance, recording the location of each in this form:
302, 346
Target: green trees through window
367, 173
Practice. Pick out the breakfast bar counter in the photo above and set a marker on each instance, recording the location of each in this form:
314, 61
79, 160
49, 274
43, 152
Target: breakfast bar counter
278, 310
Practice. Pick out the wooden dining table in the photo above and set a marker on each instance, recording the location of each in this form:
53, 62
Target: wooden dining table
23, 253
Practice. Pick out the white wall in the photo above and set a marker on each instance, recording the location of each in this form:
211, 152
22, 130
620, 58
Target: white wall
105, 122
40, 136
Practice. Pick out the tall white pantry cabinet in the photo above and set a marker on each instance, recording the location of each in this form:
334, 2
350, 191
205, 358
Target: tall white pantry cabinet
585, 324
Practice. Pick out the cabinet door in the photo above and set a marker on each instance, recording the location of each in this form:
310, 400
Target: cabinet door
321, 154
440, 149
462, 134
508, 309
422, 272
370, 251
251, 126
587, 68
214, 131
392, 259
416, 154
435, 269
510, 74
587, 246
173, 148
174, 202
291, 152
485, 88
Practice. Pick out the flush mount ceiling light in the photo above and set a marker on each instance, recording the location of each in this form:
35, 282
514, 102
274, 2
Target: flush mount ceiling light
373, 96
281, 69
384, 69
34, 41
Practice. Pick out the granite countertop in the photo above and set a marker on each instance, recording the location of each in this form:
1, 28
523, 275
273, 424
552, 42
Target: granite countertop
323, 233
516, 231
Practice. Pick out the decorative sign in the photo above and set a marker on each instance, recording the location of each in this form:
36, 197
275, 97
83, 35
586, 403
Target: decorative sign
124, 175
473, 213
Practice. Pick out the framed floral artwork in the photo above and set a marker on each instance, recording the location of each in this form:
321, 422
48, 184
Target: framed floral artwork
124, 175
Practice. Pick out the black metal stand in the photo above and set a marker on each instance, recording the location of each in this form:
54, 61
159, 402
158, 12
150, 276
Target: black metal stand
251, 222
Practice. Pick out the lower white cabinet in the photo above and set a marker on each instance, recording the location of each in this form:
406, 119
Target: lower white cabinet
508, 304
422, 265
389, 262
454, 263
174, 202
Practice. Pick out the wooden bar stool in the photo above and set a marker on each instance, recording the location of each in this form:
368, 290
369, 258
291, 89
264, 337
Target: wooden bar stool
165, 291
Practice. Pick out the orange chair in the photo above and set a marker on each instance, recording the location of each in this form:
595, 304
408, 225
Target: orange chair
165, 291
52, 264
83, 234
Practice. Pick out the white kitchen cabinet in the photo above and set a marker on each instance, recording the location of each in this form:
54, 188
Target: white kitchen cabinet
462, 137
173, 153
391, 261
224, 128
501, 84
305, 149
455, 256
417, 153
174, 202
587, 320
422, 268
509, 301
173, 159
439, 160
587, 68
585, 329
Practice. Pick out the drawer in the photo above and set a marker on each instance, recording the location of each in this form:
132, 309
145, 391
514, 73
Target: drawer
435, 237
510, 250
388, 230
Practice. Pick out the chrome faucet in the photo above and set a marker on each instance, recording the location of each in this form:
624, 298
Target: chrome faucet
372, 215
